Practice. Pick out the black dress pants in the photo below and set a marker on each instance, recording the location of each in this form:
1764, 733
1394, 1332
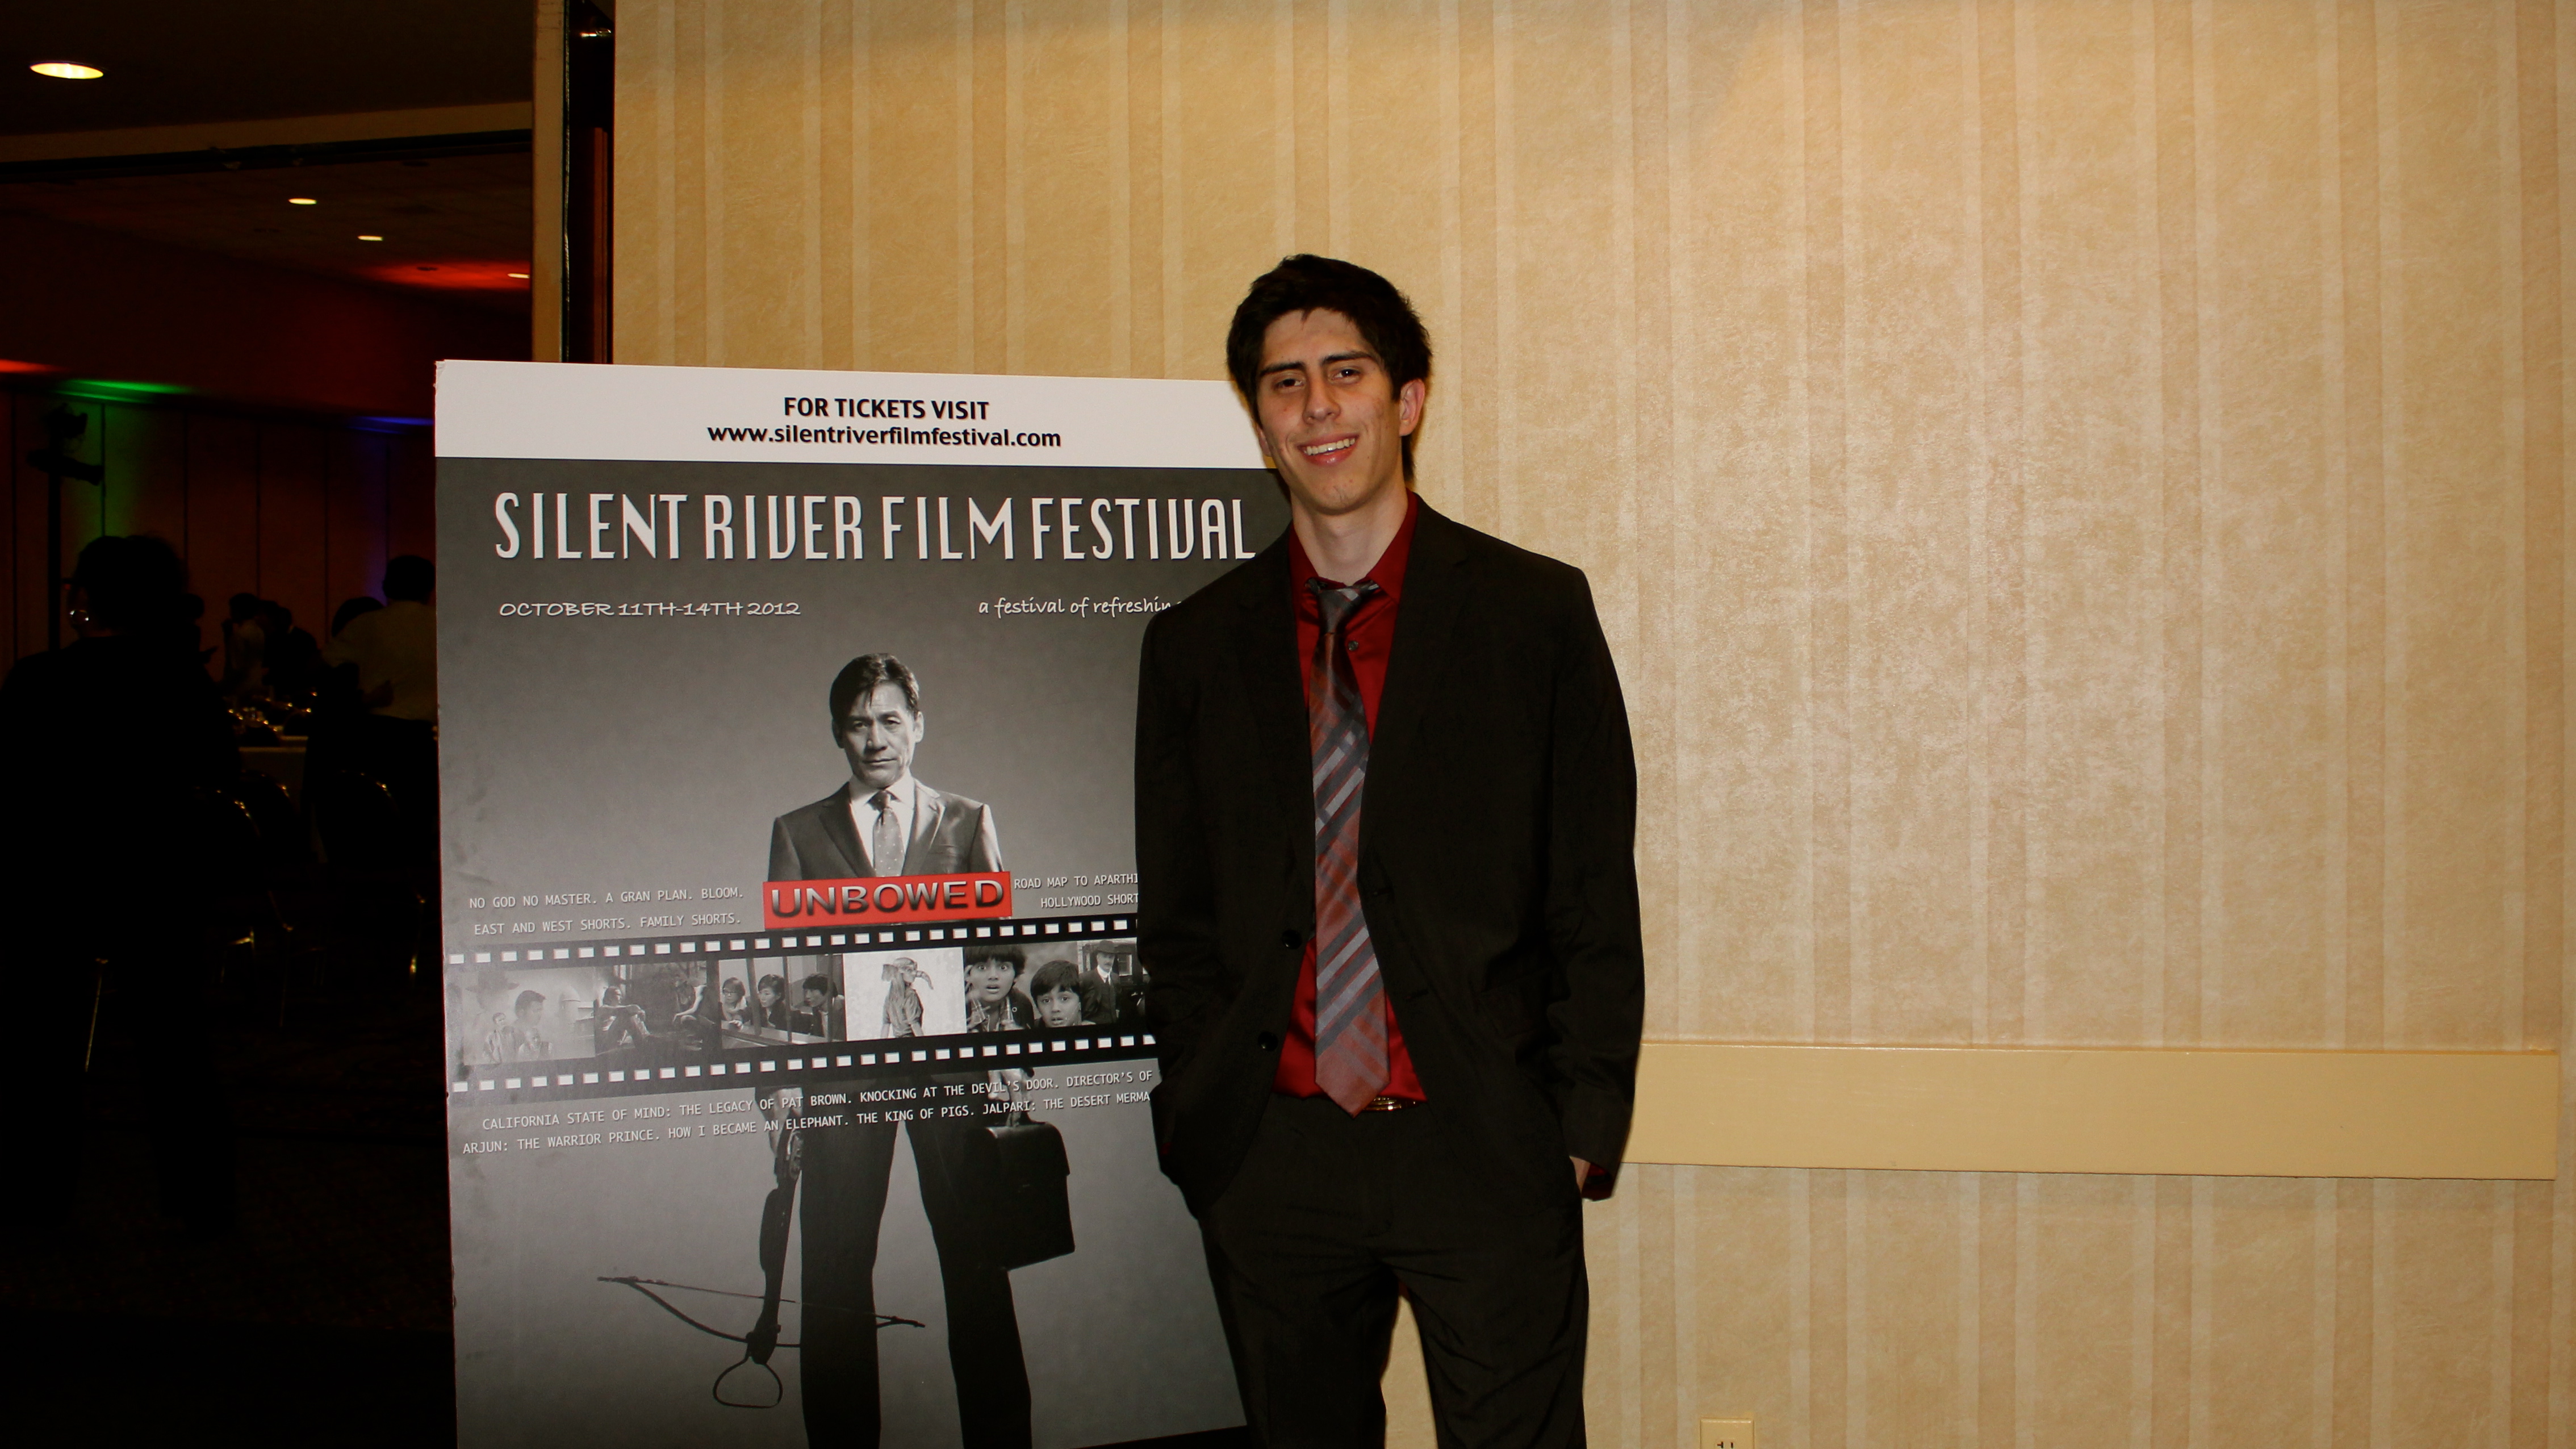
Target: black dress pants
1328, 1215
844, 1189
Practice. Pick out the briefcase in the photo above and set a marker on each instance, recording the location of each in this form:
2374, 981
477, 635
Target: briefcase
1016, 1174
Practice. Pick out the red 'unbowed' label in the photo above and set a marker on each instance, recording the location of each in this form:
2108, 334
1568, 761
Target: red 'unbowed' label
789, 905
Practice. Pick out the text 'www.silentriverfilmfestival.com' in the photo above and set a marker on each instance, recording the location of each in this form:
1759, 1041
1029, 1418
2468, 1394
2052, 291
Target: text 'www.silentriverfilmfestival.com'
898, 410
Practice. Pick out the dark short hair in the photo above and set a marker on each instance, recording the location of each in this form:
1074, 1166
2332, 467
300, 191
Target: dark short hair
409, 576
132, 582
1056, 976
352, 608
1011, 956
817, 982
773, 983
860, 677
1308, 283
528, 999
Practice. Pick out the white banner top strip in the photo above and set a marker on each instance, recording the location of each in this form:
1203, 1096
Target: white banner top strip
738, 415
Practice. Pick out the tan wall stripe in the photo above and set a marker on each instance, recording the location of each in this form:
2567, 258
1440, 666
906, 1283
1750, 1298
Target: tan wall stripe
2030, 1109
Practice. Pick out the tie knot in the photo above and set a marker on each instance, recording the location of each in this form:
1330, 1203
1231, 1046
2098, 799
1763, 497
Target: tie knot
883, 799
1337, 601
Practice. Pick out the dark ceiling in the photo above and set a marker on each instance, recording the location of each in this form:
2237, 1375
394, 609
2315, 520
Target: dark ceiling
174, 62
456, 224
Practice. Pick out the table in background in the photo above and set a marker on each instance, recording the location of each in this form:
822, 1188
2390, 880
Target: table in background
283, 763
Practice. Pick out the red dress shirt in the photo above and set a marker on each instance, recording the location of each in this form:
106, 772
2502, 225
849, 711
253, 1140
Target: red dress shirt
1370, 633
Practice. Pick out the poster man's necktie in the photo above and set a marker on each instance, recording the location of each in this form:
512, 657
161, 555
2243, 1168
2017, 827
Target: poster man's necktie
1350, 1015
885, 853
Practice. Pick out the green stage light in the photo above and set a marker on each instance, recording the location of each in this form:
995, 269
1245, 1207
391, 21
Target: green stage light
106, 389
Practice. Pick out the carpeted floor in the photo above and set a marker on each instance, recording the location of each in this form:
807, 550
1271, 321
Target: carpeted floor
321, 1315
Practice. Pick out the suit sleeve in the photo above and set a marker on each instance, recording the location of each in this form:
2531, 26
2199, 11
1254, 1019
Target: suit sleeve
1592, 913
1176, 886
783, 864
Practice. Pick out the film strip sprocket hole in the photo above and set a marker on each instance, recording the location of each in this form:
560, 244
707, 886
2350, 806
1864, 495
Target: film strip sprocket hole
730, 1060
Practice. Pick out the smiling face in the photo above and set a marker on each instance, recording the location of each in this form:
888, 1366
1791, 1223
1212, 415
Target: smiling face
879, 735
1331, 418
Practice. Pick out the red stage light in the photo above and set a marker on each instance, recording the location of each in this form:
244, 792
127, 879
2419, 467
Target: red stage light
453, 275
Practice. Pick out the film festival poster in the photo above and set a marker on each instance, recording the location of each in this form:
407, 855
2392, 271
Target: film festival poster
751, 1140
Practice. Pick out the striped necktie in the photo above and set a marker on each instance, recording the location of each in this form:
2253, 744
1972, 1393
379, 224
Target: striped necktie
885, 851
1350, 1012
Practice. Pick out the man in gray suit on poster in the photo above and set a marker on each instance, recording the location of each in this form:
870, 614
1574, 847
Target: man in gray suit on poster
883, 822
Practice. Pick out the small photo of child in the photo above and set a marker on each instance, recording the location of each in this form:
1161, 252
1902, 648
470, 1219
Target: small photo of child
1068, 993
1057, 990
993, 998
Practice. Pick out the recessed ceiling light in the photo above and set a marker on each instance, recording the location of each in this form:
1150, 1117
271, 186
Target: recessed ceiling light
67, 70
301, 201
364, 237
522, 276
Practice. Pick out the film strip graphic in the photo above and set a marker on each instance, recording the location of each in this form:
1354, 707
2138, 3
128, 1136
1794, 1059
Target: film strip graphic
769, 1063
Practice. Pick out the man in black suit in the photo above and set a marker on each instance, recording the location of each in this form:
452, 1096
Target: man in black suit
887, 823
882, 821
1385, 823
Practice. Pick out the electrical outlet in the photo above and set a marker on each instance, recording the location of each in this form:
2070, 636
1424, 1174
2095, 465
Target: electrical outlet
1726, 1434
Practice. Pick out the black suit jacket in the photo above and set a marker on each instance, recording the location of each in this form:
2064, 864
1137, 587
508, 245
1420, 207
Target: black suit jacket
1497, 856
818, 842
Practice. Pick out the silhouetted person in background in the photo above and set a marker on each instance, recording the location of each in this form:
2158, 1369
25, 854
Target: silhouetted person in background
116, 739
185, 633
350, 609
395, 649
245, 647
294, 660
337, 706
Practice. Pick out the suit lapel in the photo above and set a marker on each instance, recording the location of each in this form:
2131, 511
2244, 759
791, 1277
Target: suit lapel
1434, 589
930, 809
844, 835
1266, 662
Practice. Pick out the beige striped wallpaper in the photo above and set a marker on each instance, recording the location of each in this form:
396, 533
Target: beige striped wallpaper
2078, 491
